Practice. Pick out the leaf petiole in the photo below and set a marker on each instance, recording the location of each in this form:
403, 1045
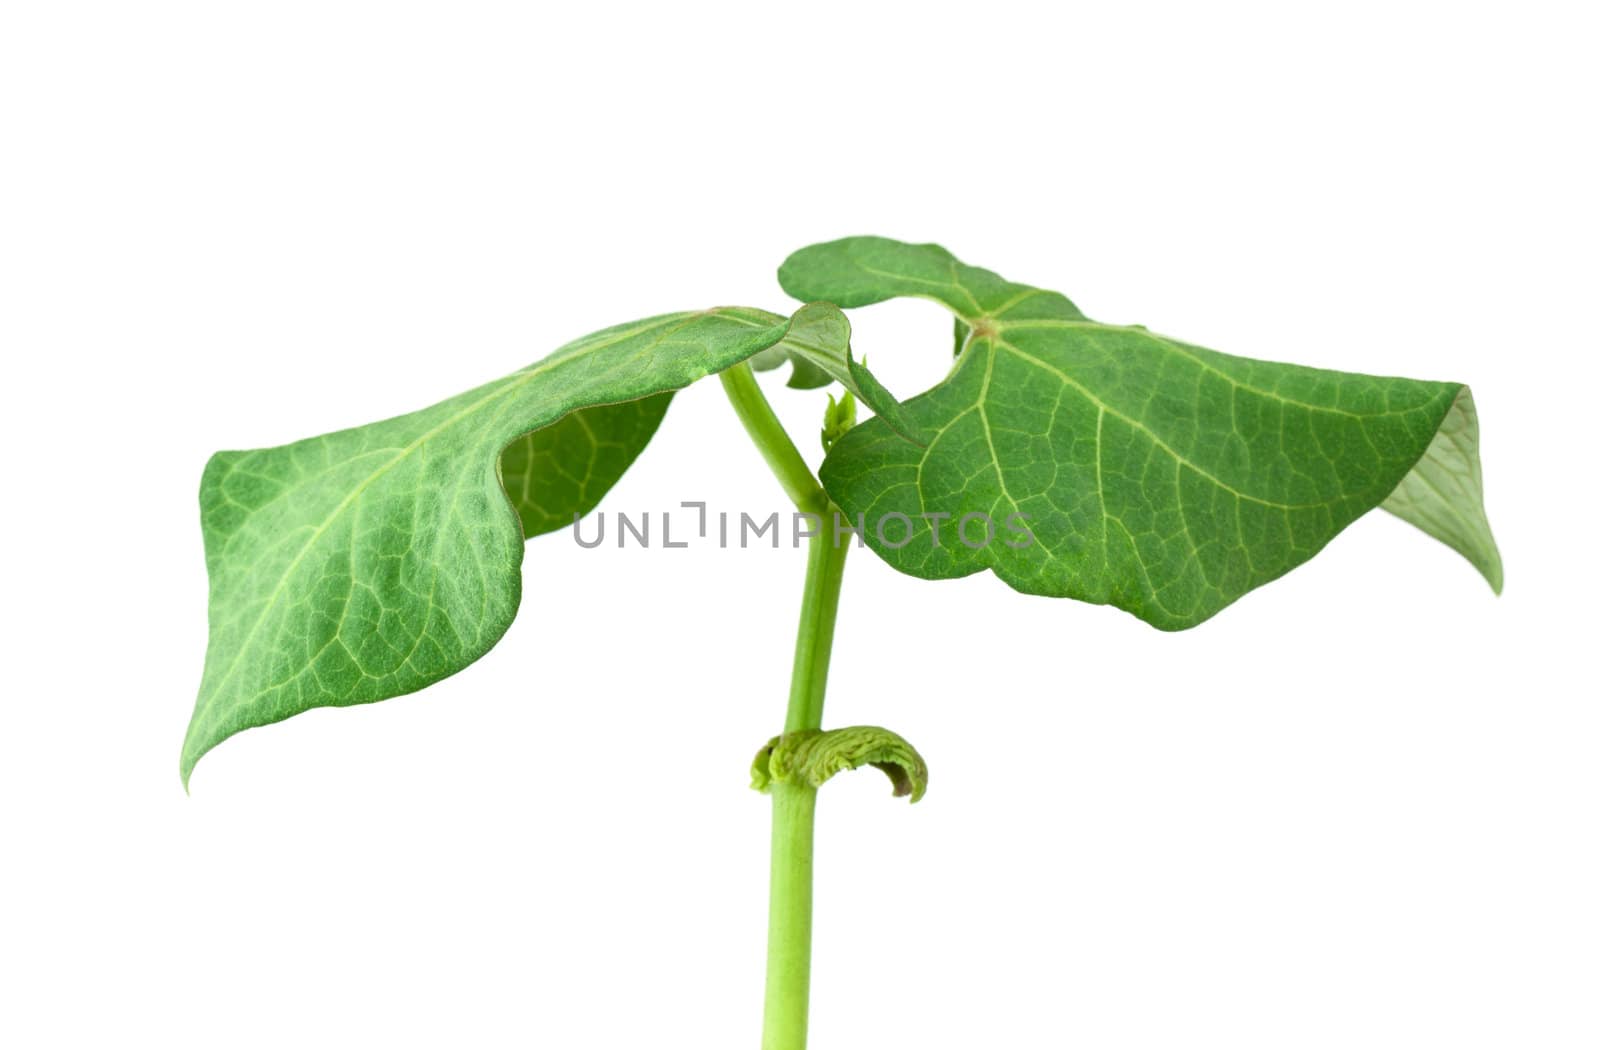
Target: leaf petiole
762, 424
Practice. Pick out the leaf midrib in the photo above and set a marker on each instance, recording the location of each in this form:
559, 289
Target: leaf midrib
511, 383
994, 342
537, 368
954, 282
1184, 352
994, 317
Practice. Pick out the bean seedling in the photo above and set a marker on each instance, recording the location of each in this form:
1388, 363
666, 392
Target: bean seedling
1070, 458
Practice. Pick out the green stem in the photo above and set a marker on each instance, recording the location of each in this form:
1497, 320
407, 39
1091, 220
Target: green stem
794, 803
813, 644
783, 1022
764, 429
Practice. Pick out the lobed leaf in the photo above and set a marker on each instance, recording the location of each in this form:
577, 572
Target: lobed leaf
372, 562
1150, 474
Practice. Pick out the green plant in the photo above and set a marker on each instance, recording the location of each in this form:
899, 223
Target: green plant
1127, 469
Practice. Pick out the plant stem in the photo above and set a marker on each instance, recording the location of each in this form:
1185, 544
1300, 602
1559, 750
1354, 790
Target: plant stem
764, 429
794, 802
813, 644
783, 1021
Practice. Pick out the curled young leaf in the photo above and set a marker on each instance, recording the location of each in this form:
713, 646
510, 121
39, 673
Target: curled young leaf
371, 562
818, 348
839, 419
815, 755
1117, 466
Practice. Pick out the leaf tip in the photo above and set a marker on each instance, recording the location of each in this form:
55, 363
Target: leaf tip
1494, 572
194, 749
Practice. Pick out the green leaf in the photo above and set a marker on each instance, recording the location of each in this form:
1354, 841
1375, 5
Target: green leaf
818, 347
962, 331
1443, 494
562, 470
1156, 476
372, 562
839, 419
813, 756
860, 271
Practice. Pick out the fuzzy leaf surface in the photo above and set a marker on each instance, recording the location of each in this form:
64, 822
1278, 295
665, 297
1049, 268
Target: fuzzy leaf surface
818, 351
1443, 494
565, 469
1150, 474
371, 562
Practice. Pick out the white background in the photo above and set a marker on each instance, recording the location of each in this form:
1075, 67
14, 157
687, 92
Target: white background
1356, 809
